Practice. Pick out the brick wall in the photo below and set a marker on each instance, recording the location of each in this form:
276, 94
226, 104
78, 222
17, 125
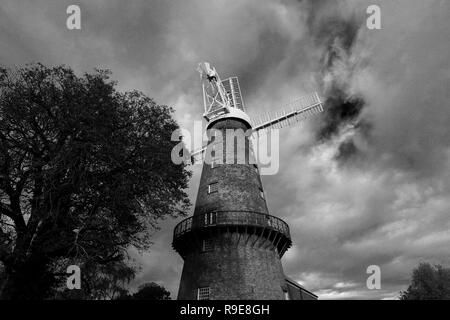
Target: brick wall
241, 266
236, 268
239, 184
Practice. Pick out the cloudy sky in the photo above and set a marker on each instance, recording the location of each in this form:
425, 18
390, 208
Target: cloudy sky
365, 183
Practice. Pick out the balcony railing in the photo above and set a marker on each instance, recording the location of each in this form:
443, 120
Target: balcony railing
231, 218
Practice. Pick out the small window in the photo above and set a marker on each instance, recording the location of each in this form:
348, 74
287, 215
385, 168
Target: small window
261, 193
269, 220
210, 218
207, 245
214, 164
213, 187
203, 293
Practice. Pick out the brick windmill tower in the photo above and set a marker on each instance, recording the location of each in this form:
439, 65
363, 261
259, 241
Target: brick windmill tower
232, 246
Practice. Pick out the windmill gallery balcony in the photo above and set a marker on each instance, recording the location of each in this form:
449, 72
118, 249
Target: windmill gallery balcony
260, 225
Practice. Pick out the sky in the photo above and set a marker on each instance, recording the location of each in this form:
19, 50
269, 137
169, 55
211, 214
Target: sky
367, 182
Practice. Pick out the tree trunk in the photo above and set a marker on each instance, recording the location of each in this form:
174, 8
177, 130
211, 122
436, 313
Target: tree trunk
7, 288
27, 280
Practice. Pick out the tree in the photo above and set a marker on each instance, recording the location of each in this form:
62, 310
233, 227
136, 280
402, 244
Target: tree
107, 281
148, 291
151, 291
85, 172
428, 283
2, 274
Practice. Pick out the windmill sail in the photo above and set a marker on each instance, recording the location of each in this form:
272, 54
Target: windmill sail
292, 113
233, 90
198, 156
215, 99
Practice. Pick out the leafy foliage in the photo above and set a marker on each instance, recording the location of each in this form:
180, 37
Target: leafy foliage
148, 291
428, 283
100, 282
85, 172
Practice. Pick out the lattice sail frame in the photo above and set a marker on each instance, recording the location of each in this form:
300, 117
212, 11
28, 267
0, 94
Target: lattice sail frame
290, 114
233, 90
219, 96
215, 98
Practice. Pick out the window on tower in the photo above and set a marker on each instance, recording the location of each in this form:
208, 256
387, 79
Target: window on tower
269, 220
213, 187
210, 218
207, 245
214, 164
203, 293
213, 149
261, 193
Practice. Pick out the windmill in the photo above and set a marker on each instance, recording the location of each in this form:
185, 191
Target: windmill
231, 245
223, 98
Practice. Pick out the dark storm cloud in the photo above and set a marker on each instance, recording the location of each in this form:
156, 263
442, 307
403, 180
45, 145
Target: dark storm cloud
272, 49
341, 110
326, 23
369, 193
336, 35
136, 30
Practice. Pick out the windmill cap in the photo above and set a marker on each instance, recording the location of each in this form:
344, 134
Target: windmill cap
234, 113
